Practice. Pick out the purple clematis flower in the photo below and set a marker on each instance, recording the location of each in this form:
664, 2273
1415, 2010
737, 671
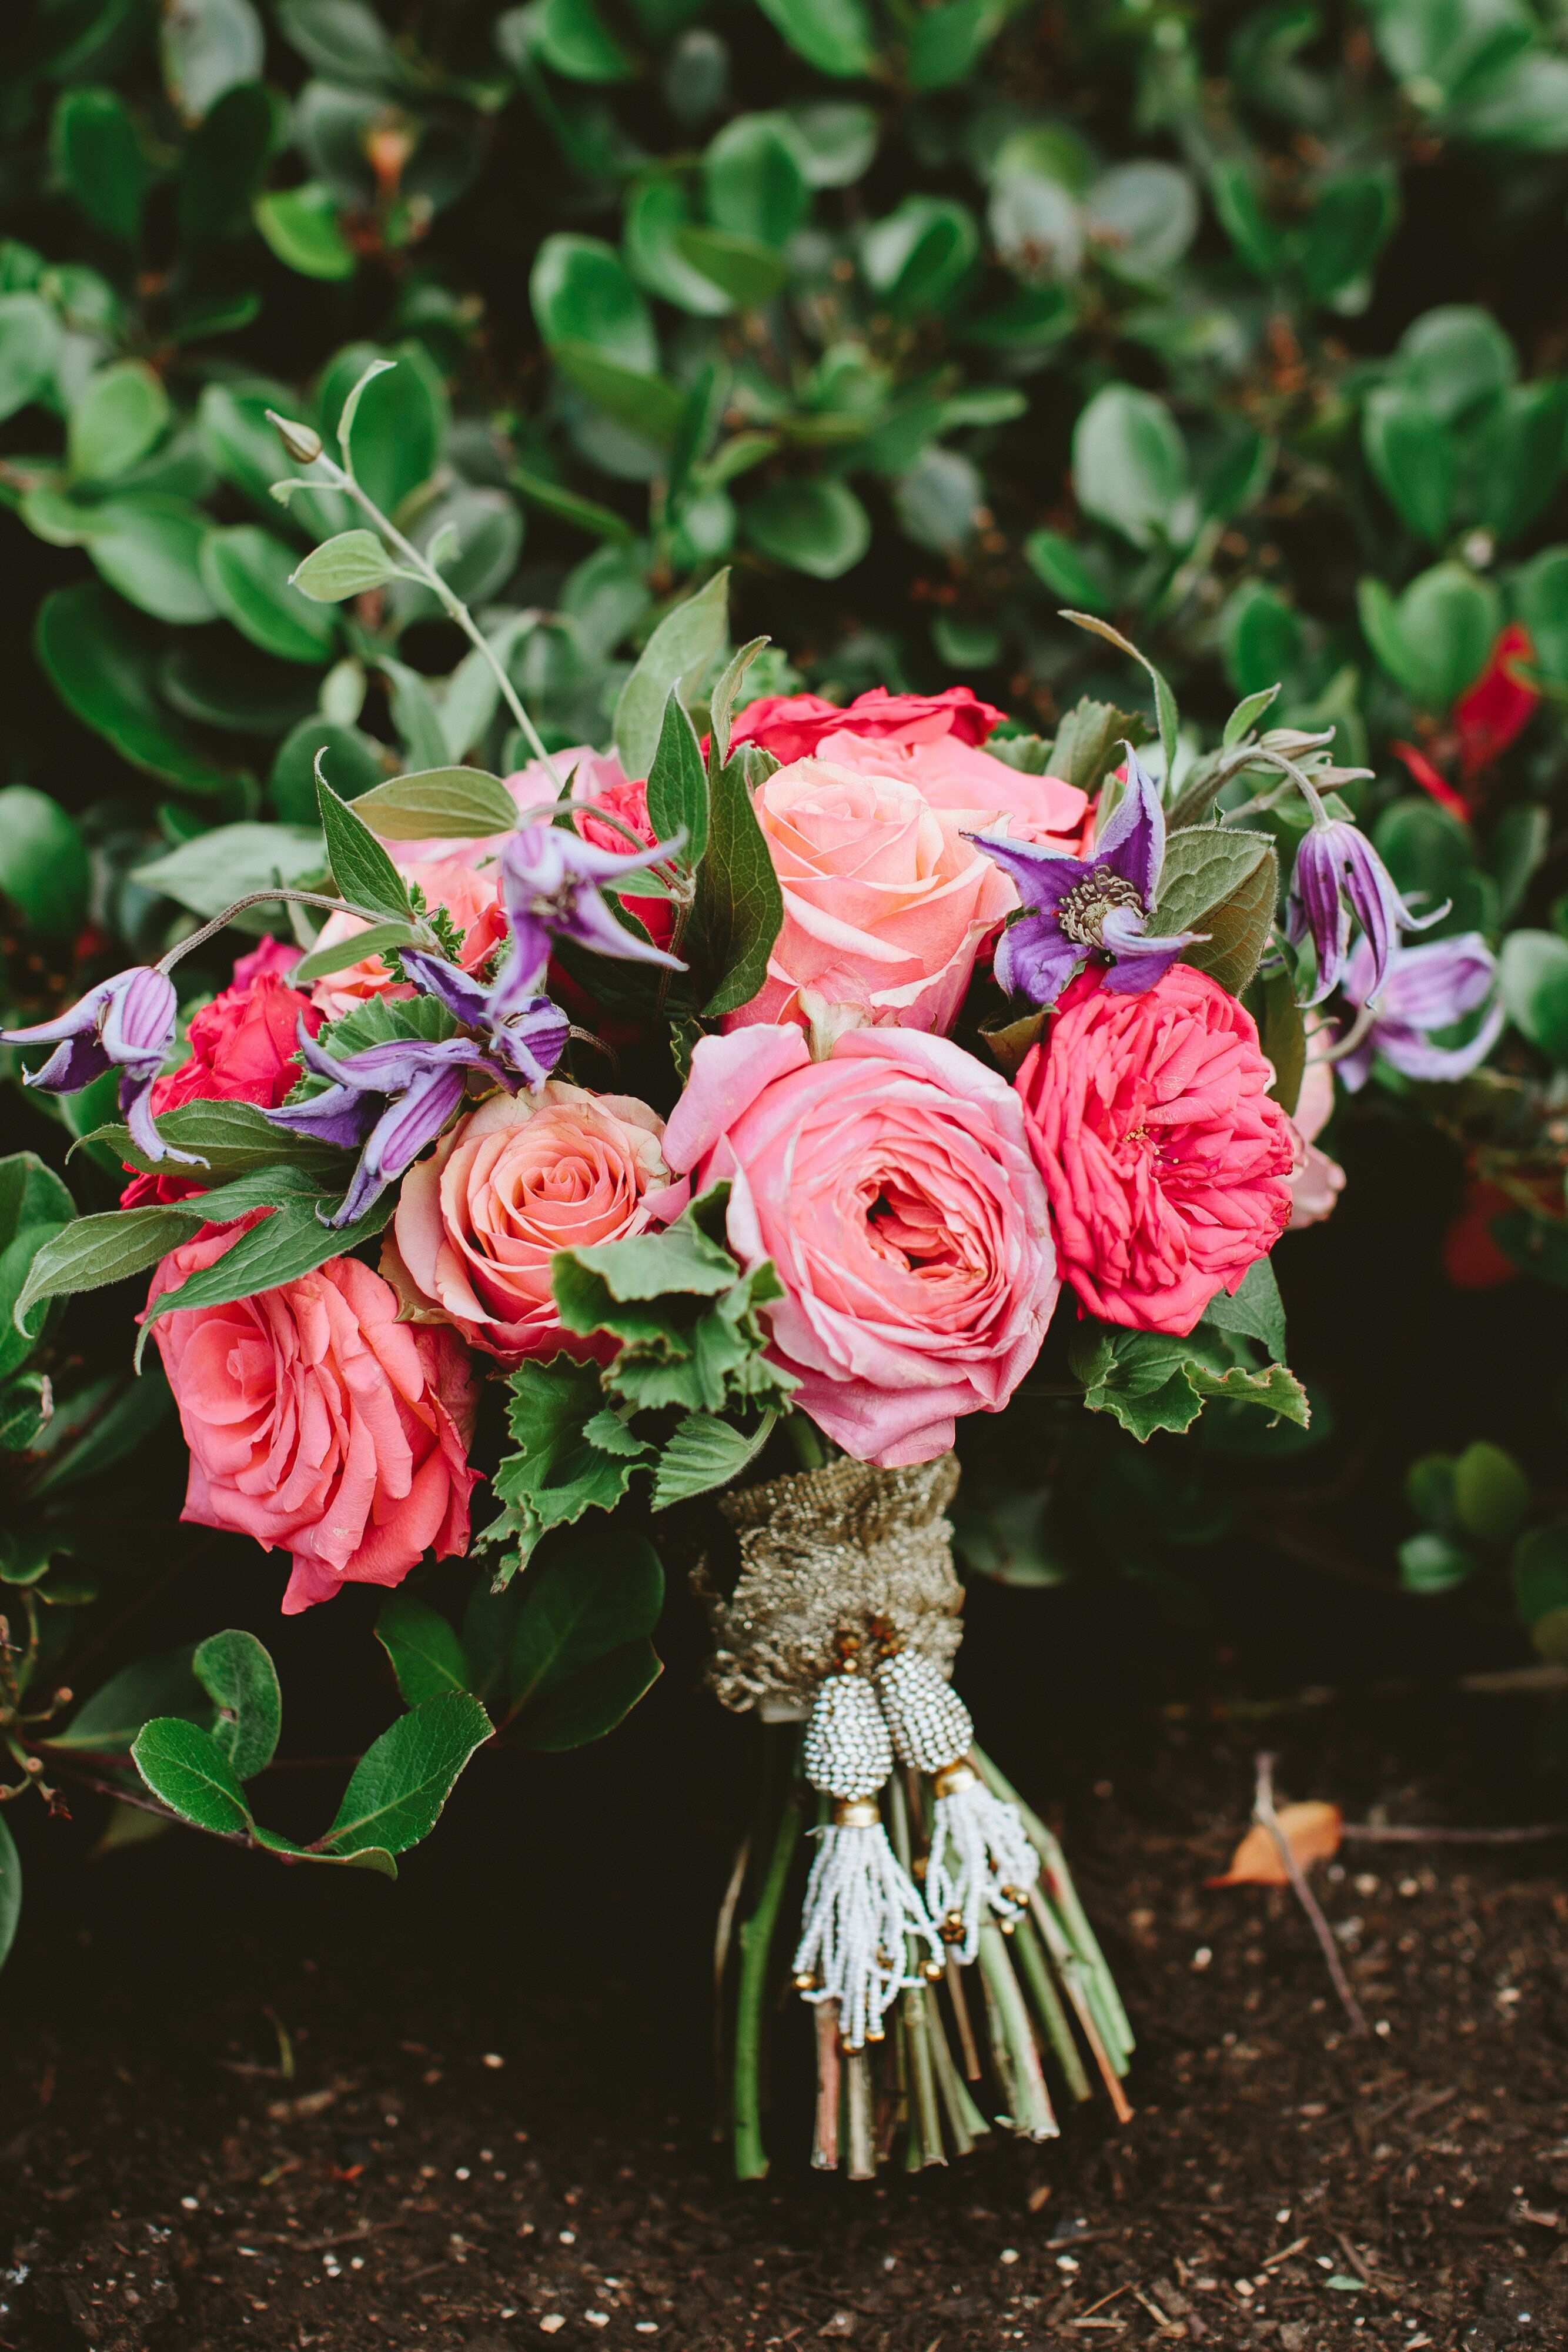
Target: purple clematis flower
550, 887
1421, 990
1076, 908
1340, 875
126, 1023
522, 1033
393, 1099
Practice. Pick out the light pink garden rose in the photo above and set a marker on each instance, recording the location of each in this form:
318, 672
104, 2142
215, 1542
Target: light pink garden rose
1316, 1180
892, 1186
478, 1222
1166, 1163
471, 897
885, 902
983, 793
317, 1421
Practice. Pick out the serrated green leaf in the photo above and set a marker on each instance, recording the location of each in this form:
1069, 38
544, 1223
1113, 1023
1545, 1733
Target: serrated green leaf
558, 1473
677, 783
97, 1251
185, 1767
704, 1452
1277, 1389
1224, 883
426, 1653
403, 1781
363, 872
1256, 1310
235, 1671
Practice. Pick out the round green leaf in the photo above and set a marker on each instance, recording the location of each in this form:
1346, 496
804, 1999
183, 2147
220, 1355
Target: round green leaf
834, 36
582, 293
300, 224
354, 762
149, 549
400, 424
1534, 969
1491, 1494
1435, 1563
1037, 228
835, 141
186, 1768
29, 348
120, 414
921, 254
656, 210
246, 571
103, 661
937, 499
572, 36
1541, 594
816, 527
45, 871
1130, 468
1141, 217
1261, 636
1455, 358
219, 680
748, 273
209, 46
100, 158
1415, 459
222, 163
752, 183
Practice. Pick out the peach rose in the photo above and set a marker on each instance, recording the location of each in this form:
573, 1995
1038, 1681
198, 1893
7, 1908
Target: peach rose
472, 900
479, 1221
891, 1184
885, 902
319, 1422
984, 792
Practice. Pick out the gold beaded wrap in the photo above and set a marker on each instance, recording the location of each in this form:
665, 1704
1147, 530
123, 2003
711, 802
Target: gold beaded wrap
825, 1555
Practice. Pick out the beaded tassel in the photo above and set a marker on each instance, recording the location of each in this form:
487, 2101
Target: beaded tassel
981, 1857
861, 1905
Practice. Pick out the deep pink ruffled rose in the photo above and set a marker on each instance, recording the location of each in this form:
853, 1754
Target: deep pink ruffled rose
479, 1221
885, 901
791, 725
317, 1421
245, 1047
1167, 1165
892, 1186
602, 792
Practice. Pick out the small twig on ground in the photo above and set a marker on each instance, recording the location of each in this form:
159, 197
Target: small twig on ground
1415, 1834
1263, 1812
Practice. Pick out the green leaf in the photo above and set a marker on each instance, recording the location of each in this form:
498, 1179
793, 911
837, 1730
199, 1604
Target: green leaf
582, 293
210, 48
1491, 1495
211, 870
1068, 570
721, 702
1520, 454
29, 351
427, 1657
1277, 1389
1539, 1572
240, 1678
112, 1718
1246, 715
373, 942
558, 1472
753, 183
44, 870
594, 1701
462, 804
834, 36
186, 1768
115, 420
1414, 458
233, 1139
399, 423
347, 565
676, 658
1255, 1309
1129, 469
355, 762
364, 873
1139, 1376
1434, 1563
282, 1247
1089, 743
585, 514
300, 224
947, 41
1262, 639
149, 549
602, 1589
702, 1452
10, 1889
680, 1257
1350, 222
404, 1780
1281, 1033
817, 526
248, 574
740, 908
1225, 883
1435, 641
920, 257
414, 715
677, 783
573, 38
97, 1251
1165, 712
1534, 979
645, 405
749, 273
99, 156
656, 210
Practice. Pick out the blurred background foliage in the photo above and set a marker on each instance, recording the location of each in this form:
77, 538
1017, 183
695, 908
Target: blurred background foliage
1242, 326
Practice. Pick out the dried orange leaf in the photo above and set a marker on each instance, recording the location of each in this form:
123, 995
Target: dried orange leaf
1311, 1831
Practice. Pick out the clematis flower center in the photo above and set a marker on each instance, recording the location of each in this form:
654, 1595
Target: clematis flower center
1080, 915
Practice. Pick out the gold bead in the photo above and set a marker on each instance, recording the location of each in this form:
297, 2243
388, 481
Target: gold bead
805, 1981
933, 1971
875, 2033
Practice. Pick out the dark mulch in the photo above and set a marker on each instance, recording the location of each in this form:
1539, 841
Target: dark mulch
497, 2128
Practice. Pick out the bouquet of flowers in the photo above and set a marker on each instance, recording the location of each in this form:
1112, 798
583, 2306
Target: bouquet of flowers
744, 1107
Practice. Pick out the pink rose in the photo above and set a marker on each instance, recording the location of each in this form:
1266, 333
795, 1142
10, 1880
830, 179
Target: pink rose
470, 897
892, 1186
885, 902
1166, 1163
317, 1421
791, 725
245, 1047
601, 790
478, 1222
984, 793
1316, 1180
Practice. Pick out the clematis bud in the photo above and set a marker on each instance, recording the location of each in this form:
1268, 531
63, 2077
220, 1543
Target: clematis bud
126, 1023
1339, 876
302, 442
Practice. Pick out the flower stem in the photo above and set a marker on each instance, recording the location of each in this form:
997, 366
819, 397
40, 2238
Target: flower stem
756, 1944
862, 2134
1013, 2038
825, 2145
926, 2122
256, 898
806, 1439
1047, 2007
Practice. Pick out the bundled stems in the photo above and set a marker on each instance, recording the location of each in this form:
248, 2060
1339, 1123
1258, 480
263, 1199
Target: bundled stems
756, 1944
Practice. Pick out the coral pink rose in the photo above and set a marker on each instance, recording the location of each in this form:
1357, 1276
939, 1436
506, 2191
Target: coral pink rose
892, 1186
791, 725
479, 1221
1166, 1163
244, 1048
317, 1421
472, 900
885, 902
1316, 1180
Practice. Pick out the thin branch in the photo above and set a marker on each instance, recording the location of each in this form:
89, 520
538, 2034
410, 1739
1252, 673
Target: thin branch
1263, 1812
1415, 1834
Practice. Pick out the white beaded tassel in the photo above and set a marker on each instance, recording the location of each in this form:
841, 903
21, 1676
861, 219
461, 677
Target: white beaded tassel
981, 1858
861, 1903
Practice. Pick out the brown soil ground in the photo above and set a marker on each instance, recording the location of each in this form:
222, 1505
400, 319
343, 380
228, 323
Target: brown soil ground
496, 2132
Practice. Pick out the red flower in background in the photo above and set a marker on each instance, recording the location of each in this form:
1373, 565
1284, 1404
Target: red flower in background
791, 725
244, 1048
1488, 717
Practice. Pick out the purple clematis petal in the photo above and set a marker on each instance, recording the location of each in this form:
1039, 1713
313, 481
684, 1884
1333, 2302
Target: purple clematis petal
1075, 909
126, 1023
1423, 990
550, 886
416, 1118
1339, 876
526, 1036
